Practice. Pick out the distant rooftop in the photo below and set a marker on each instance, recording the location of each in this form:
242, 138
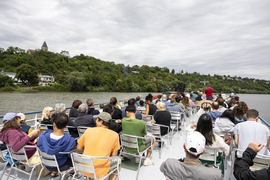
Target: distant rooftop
44, 45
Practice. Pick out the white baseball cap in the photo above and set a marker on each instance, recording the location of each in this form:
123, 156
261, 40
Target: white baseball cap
195, 140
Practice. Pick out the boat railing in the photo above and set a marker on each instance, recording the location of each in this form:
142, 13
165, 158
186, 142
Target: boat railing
37, 112
264, 122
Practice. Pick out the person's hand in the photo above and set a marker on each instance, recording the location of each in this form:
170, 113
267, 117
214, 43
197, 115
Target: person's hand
194, 125
35, 132
256, 146
152, 121
118, 121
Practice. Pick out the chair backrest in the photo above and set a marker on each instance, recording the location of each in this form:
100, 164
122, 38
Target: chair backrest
48, 160
175, 115
81, 130
20, 155
83, 163
210, 154
129, 141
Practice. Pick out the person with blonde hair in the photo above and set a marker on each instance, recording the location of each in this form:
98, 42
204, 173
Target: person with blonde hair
163, 117
46, 115
24, 127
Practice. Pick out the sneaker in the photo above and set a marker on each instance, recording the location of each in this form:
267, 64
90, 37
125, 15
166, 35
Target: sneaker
137, 160
148, 162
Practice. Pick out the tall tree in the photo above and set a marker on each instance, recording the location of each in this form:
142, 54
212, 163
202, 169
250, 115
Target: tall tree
27, 74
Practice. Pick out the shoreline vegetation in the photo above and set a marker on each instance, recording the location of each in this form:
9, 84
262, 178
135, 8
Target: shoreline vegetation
83, 73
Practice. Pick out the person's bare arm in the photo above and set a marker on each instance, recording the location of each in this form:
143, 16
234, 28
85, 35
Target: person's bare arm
236, 138
114, 153
147, 109
80, 147
268, 142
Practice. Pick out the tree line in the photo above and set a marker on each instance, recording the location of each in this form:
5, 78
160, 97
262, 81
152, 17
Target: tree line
87, 73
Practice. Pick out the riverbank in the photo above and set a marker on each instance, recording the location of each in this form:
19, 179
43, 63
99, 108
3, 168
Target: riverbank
61, 88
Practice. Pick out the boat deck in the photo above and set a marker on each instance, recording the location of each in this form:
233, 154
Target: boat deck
146, 172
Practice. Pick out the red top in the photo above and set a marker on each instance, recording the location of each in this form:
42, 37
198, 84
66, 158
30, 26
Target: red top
208, 92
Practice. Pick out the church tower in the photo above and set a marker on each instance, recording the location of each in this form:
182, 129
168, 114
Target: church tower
44, 47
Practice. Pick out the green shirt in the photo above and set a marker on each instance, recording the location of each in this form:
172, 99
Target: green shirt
134, 127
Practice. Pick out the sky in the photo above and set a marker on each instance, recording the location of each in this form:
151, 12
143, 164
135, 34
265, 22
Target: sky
206, 36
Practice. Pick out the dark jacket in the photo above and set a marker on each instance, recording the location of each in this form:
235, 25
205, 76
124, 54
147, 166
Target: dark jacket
53, 147
92, 111
242, 171
85, 119
73, 113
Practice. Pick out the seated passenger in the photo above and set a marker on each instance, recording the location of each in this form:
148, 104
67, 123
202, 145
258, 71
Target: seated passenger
221, 104
162, 117
105, 143
150, 108
24, 127
115, 125
60, 107
135, 127
241, 165
233, 103
214, 114
91, 104
245, 109
101, 106
225, 122
73, 113
117, 114
204, 126
141, 108
184, 104
238, 114
173, 106
12, 135
84, 119
54, 141
132, 102
251, 131
190, 167
46, 115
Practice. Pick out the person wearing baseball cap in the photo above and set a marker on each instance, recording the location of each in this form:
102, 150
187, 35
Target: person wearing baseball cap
11, 134
105, 143
190, 167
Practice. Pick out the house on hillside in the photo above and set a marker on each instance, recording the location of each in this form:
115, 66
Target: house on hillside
44, 79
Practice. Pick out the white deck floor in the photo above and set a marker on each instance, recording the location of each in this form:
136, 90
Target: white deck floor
146, 172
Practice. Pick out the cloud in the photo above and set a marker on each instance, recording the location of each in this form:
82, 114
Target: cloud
209, 37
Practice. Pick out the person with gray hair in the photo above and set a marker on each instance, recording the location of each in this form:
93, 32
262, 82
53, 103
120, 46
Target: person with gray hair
60, 108
91, 109
125, 101
84, 119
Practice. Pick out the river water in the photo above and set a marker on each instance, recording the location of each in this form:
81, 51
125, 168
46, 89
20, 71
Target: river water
36, 101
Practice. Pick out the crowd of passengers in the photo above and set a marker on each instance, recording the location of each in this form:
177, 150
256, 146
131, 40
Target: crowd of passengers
220, 114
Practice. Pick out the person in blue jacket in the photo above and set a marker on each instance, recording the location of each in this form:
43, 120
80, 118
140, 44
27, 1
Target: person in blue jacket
54, 141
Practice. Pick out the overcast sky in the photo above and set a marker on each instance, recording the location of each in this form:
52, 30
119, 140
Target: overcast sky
207, 36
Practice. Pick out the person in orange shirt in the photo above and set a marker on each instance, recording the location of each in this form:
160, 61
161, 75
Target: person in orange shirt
102, 142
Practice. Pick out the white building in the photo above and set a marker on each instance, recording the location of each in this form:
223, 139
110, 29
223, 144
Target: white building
44, 79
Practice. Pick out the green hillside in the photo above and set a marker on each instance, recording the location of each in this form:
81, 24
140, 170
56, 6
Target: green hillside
86, 73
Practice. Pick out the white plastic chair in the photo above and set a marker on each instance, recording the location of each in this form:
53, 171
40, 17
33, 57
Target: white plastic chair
85, 164
177, 116
132, 142
50, 160
3, 160
21, 156
155, 130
